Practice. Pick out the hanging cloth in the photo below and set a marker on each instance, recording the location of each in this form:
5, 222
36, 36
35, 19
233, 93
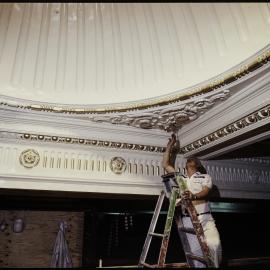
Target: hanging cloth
61, 257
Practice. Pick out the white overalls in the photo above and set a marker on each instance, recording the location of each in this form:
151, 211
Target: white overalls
195, 184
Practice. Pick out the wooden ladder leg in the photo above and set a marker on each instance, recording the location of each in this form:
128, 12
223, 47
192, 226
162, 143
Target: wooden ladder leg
199, 233
151, 229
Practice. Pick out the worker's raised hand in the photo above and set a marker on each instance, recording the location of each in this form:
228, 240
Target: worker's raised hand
171, 141
173, 144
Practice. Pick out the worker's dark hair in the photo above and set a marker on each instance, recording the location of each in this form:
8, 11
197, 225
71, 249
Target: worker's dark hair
199, 166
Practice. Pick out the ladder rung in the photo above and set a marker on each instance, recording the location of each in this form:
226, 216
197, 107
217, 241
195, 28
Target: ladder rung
195, 257
148, 265
187, 230
157, 234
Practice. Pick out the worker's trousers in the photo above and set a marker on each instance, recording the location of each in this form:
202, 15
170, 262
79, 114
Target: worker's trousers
212, 238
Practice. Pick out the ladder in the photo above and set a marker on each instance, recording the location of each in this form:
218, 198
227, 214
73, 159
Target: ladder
172, 191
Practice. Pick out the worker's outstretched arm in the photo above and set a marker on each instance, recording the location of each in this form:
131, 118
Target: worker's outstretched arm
167, 155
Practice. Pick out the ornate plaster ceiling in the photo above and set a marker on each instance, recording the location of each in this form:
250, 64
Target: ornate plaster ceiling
102, 53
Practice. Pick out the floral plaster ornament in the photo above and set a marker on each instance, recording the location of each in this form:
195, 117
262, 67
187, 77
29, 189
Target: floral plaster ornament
118, 165
29, 158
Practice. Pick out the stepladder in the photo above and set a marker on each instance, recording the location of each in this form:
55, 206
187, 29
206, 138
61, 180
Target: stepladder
174, 187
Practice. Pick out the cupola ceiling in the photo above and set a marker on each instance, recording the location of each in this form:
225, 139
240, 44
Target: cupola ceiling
103, 53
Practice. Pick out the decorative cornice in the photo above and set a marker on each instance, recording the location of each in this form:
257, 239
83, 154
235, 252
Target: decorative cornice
220, 81
168, 119
80, 141
239, 124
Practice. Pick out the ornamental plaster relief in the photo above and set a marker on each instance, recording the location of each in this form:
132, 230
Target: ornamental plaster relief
139, 172
167, 119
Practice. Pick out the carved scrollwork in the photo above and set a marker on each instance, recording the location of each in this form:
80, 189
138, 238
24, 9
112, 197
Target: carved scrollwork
167, 119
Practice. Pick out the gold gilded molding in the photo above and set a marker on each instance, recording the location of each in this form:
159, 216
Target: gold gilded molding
220, 81
244, 122
99, 143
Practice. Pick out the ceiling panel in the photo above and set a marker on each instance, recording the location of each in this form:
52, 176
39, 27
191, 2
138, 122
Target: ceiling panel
103, 53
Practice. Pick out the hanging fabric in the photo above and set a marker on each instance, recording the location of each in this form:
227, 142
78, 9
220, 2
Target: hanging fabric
61, 257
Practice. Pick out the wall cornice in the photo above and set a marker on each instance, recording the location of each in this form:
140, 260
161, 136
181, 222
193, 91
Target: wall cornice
261, 115
254, 92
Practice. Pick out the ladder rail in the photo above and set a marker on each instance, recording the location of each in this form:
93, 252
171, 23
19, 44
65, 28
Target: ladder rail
183, 238
151, 229
199, 231
174, 213
168, 226
187, 203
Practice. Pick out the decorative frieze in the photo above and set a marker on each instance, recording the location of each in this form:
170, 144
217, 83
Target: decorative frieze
254, 160
243, 174
42, 158
118, 172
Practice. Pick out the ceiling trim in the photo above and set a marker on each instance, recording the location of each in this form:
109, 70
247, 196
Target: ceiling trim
170, 118
239, 142
225, 79
242, 123
80, 141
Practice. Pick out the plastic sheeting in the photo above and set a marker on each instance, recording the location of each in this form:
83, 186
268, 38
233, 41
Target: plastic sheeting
61, 257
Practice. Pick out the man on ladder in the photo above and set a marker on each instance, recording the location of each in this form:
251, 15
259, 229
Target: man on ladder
199, 184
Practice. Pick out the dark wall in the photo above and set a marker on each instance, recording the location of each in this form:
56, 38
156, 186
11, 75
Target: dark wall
243, 233
33, 247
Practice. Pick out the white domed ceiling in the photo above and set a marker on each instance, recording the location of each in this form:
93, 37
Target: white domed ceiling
88, 53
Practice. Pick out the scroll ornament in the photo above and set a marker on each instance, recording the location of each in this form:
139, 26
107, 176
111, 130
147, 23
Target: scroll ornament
167, 119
